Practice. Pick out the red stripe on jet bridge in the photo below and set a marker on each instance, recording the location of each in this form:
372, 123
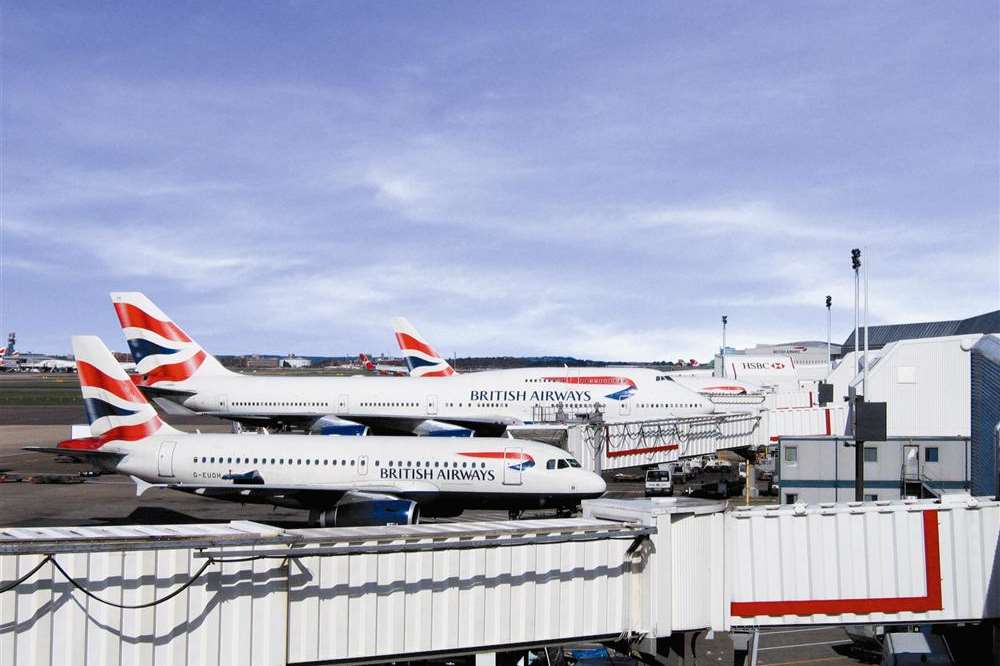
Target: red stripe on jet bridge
174, 372
407, 342
929, 602
829, 429
648, 449
132, 317
123, 388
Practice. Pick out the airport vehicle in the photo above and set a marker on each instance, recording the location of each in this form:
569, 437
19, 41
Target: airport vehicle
176, 370
381, 368
915, 649
350, 481
658, 482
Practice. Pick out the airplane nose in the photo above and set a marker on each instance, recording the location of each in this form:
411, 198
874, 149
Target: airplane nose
594, 484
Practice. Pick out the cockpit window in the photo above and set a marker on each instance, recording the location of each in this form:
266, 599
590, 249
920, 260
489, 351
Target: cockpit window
563, 463
572, 462
551, 464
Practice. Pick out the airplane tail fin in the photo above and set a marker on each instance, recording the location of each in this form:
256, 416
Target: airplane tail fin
366, 362
162, 351
116, 410
420, 357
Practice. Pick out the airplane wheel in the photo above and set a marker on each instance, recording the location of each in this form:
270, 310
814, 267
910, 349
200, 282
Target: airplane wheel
514, 514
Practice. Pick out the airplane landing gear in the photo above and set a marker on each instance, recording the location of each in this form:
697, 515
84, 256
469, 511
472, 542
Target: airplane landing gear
514, 514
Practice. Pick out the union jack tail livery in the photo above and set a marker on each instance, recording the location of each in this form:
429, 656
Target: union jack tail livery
420, 357
115, 408
162, 351
366, 362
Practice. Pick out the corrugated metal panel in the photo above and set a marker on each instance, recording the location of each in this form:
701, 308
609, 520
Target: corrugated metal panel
985, 413
880, 336
359, 606
618, 445
225, 617
875, 562
789, 399
810, 421
925, 384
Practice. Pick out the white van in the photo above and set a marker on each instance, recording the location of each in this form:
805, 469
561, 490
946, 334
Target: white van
659, 482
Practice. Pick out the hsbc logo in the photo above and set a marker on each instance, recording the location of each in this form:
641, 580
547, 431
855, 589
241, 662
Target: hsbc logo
761, 365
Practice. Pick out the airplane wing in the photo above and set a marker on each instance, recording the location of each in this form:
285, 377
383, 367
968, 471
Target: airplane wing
78, 454
484, 426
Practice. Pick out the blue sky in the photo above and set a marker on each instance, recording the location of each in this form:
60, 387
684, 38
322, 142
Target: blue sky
595, 179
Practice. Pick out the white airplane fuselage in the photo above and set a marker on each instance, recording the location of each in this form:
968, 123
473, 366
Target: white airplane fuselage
455, 474
510, 396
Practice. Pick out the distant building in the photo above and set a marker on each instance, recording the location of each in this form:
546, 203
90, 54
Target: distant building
261, 362
293, 361
781, 364
821, 469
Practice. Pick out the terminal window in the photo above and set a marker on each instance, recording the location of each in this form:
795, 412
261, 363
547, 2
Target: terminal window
871, 454
871, 498
791, 454
931, 454
791, 498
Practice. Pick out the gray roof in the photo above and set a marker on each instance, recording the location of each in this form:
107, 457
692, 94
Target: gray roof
880, 336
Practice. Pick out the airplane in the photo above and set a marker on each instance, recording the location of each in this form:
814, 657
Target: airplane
380, 369
357, 481
174, 368
421, 357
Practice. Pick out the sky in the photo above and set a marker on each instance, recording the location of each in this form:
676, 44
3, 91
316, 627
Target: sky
601, 180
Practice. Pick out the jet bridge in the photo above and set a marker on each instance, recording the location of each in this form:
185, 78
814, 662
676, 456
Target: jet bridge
633, 574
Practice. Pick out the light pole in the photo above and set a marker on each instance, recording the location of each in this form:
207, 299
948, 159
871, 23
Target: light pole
829, 333
725, 320
859, 446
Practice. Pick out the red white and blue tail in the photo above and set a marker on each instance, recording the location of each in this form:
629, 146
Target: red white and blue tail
420, 357
162, 351
115, 408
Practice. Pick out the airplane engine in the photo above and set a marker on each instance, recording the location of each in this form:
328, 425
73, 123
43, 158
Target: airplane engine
334, 425
368, 512
433, 428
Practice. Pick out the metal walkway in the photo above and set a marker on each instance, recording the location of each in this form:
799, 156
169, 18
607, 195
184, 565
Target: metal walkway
629, 573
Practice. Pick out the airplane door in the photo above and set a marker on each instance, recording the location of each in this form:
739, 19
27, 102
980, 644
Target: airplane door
512, 466
432, 404
343, 404
624, 407
911, 461
165, 459
363, 465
